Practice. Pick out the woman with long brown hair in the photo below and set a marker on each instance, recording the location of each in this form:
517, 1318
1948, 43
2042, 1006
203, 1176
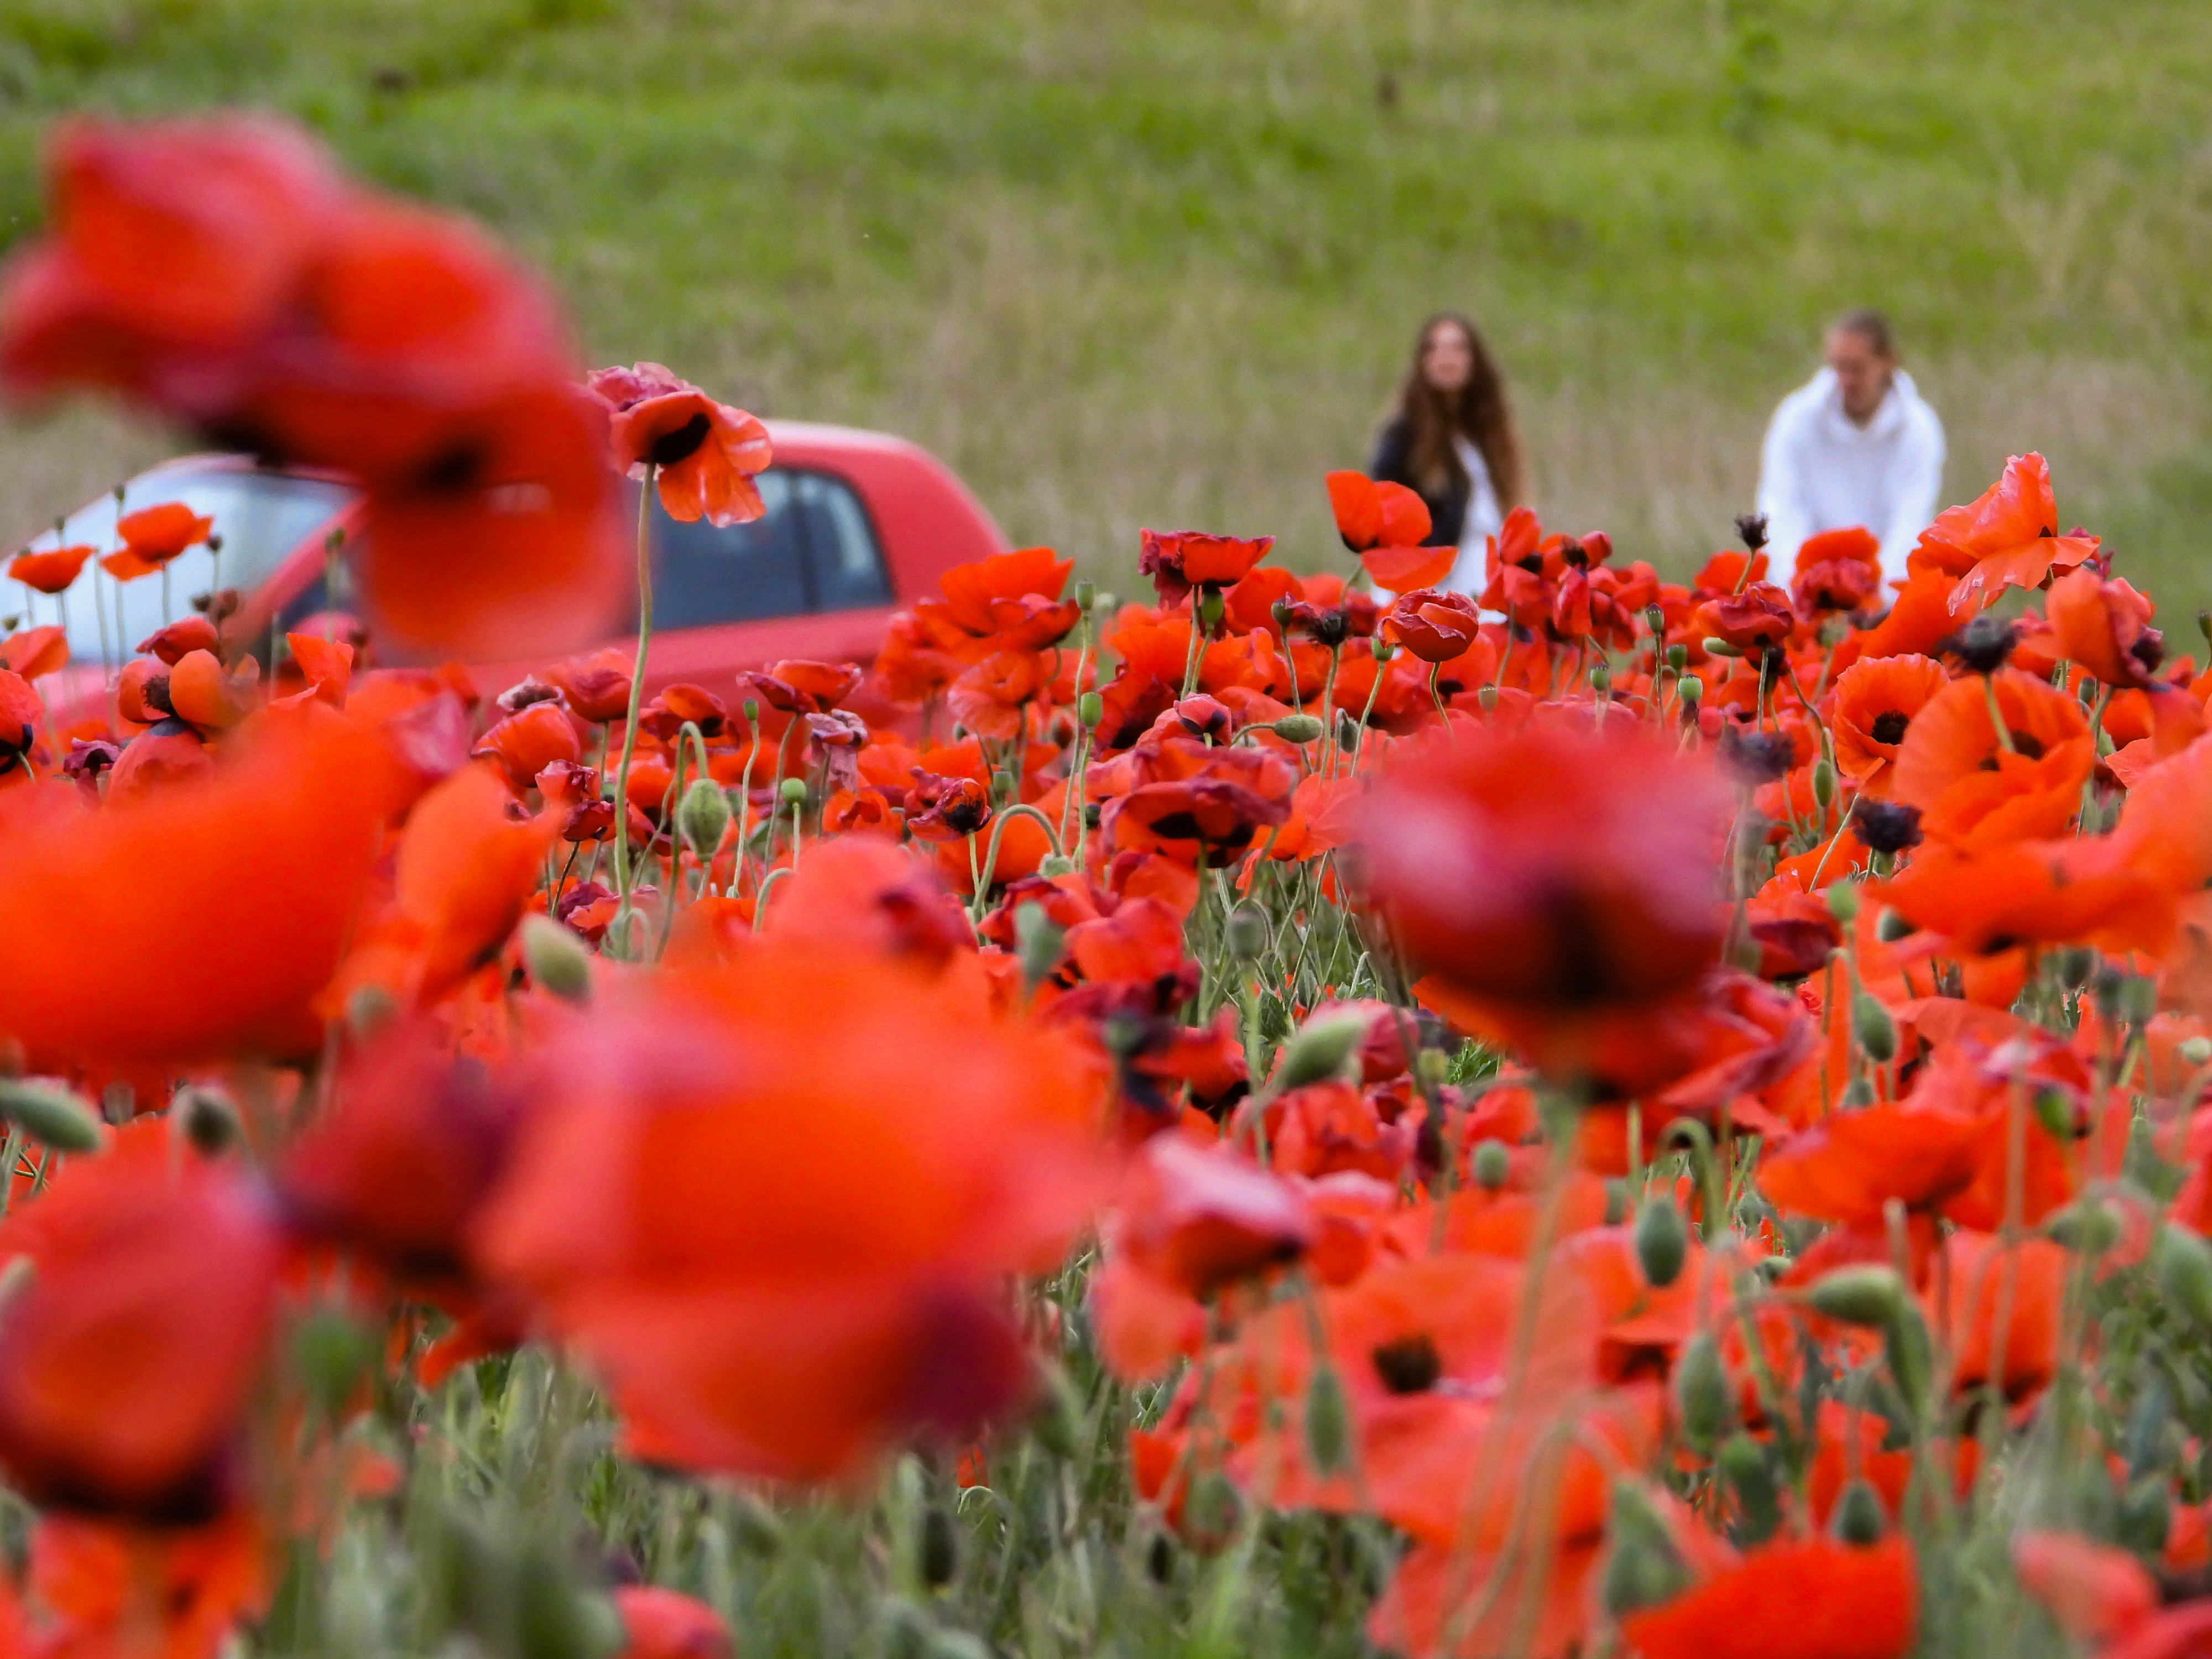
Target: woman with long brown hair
1452, 441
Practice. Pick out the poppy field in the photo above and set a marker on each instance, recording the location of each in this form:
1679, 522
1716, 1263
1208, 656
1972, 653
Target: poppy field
1298, 1114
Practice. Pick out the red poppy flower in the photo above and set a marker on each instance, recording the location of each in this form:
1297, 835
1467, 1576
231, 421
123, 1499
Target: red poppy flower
868, 897
942, 809
704, 453
20, 715
1434, 626
802, 687
2043, 892
1198, 1219
2095, 1591
1559, 872
800, 1203
597, 686
1009, 602
153, 536
1387, 524
990, 698
213, 698
2008, 535
1802, 1599
1178, 561
2105, 626
325, 665
2005, 1307
35, 651
664, 1624
1977, 792
1875, 701
280, 839
171, 643
1836, 570
127, 1361
1758, 619
50, 571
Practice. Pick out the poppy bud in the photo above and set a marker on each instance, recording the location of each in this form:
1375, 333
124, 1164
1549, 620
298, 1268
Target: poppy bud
369, 1009
1055, 865
1843, 902
2205, 625
1743, 1465
2183, 1261
752, 707
1491, 1164
1663, 1241
1037, 940
1677, 659
1329, 1420
938, 1555
1247, 931
1296, 728
1890, 927
793, 791
1600, 677
703, 816
46, 1111
1866, 1294
1701, 1391
1655, 620
1717, 647
1642, 1568
556, 958
1210, 608
2145, 1439
1090, 709
1382, 649
1859, 1519
331, 1353
2139, 999
1874, 1029
1691, 691
1086, 595
2085, 1226
1824, 782
1487, 696
1857, 1094
2194, 1051
1320, 1048
2055, 1112
1911, 1355
2076, 963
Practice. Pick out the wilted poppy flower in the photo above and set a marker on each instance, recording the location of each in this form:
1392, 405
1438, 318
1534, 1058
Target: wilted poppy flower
1555, 871
702, 453
1836, 570
1178, 561
1432, 626
50, 571
774, 1206
126, 1363
2008, 535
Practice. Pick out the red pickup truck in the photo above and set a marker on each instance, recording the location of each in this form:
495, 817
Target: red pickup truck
859, 525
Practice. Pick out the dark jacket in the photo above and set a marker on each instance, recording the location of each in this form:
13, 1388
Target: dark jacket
1394, 461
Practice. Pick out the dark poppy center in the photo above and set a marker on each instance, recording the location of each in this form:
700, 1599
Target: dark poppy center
2024, 744
967, 816
1889, 726
682, 443
1408, 1363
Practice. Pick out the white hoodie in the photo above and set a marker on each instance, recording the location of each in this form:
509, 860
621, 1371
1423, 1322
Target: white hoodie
1821, 470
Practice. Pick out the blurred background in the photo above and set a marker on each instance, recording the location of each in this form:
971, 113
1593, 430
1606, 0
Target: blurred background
1160, 262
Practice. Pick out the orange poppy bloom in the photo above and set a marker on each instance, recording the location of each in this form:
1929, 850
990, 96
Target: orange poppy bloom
526, 742
170, 644
799, 1208
1798, 1599
155, 535
35, 651
126, 1587
52, 571
1836, 570
2008, 535
1009, 601
128, 1360
1874, 701
1178, 561
204, 692
597, 686
20, 715
2050, 892
1846, 1167
704, 453
1977, 794
1386, 525
280, 838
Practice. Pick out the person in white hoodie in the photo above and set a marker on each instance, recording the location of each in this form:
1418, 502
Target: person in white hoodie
1855, 445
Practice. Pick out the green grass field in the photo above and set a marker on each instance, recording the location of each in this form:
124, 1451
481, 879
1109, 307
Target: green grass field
1156, 261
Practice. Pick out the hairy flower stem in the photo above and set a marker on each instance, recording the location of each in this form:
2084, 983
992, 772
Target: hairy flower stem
618, 932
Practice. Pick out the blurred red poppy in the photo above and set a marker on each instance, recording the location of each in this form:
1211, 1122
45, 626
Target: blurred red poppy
52, 571
1178, 561
1799, 1599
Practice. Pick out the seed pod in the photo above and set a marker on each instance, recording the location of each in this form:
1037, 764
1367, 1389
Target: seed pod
1824, 782
1874, 1029
208, 1119
1320, 1048
793, 791
1086, 595
1844, 902
1298, 728
1210, 608
1329, 1420
2183, 1261
1859, 1519
2139, 998
1701, 1391
1491, 1164
1858, 1093
1663, 1241
1677, 659
1691, 691
1890, 927
2194, 1051
1487, 696
1090, 709
1600, 677
703, 816
1866, 1294
46, 1111
556, 958
1655, 620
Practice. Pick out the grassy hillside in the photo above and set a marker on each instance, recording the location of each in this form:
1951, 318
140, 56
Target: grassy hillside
1157, 261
